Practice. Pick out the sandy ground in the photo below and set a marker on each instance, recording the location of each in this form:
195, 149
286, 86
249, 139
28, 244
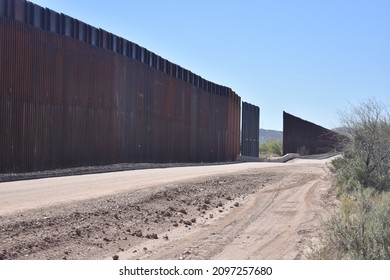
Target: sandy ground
237, 211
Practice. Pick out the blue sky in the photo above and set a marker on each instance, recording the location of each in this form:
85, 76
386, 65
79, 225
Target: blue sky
311, 58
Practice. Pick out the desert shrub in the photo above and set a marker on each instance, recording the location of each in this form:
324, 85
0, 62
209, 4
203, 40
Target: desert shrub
271, 147
360, 229
348, 174
366, 158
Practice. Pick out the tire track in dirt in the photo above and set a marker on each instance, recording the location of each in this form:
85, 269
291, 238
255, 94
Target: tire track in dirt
275, 247
208, 240
268, 224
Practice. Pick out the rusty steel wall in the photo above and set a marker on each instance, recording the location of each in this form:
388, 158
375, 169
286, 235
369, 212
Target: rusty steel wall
250, 130
305, 138
73, 95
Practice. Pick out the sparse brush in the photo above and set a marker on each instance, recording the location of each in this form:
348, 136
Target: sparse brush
271, 148
365, 162
360, 229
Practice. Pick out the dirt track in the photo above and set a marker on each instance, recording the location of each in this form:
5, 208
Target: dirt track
244, 211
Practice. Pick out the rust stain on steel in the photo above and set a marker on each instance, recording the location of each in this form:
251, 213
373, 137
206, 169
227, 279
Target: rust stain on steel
250, 130
73, 95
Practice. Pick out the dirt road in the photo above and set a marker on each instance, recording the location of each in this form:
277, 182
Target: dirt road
240, 211
30, 194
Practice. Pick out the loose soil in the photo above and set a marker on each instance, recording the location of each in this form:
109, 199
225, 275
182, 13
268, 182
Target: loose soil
263, 213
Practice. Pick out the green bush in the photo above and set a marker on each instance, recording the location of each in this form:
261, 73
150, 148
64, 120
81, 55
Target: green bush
366, 159
360, 229
271, 148
347, 173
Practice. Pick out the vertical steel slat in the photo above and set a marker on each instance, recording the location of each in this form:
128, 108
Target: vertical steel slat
23, 91
25, 52
3, 9
18, 89
18, 10
4, 112
15, 117
7, 94
2, 93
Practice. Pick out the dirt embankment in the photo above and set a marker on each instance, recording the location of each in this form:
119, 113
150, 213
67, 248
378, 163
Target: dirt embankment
270, 213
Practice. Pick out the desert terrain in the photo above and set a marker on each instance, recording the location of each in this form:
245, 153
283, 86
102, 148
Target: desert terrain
235, 211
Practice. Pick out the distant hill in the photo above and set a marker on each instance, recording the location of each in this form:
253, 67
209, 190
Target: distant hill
268, 134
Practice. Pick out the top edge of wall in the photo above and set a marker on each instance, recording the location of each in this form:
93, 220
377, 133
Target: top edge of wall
64, 25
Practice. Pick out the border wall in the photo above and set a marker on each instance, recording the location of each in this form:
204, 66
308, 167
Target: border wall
75, 95
306, 138
250, 130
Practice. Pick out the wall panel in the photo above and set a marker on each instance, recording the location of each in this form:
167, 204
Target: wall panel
250, 130
305, 138
73, 95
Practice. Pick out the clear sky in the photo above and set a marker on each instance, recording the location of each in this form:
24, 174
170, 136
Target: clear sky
310, 58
